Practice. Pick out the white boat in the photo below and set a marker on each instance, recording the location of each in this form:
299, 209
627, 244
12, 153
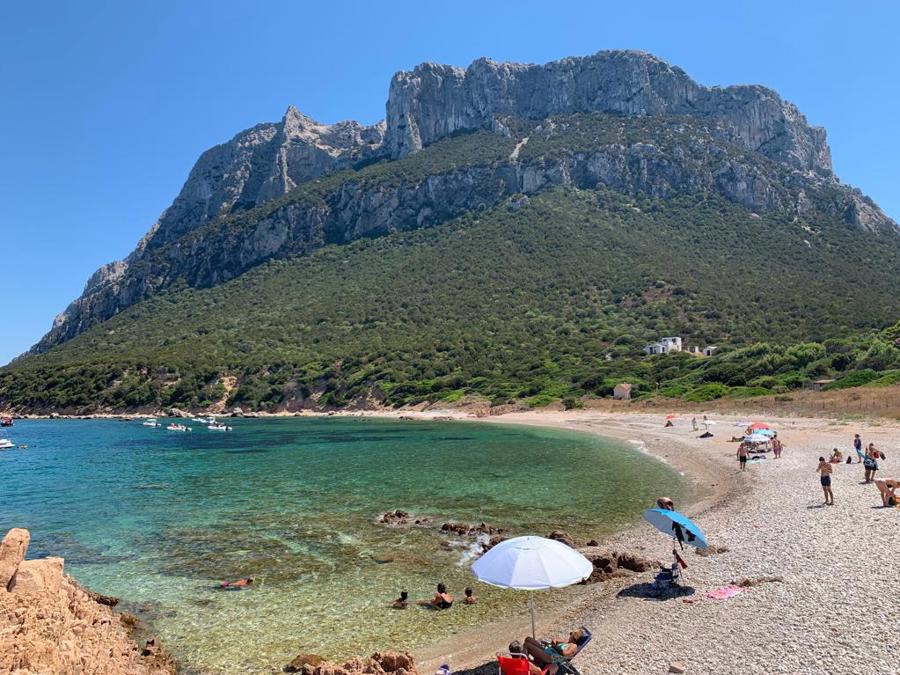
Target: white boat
6, 444
151, 423
204, 420
218, 426
174, 426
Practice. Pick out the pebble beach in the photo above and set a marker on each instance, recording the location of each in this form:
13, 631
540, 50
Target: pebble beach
825, 593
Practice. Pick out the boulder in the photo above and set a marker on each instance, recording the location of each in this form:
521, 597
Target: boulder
303, 660
380, 663
38, 576
564, 537
12, 553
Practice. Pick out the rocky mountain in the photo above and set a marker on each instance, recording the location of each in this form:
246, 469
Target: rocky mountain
620, 119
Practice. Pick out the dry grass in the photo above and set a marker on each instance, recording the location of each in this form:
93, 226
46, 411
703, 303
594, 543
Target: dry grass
860, 402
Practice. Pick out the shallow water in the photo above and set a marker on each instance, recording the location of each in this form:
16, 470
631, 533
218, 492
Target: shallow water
158, 518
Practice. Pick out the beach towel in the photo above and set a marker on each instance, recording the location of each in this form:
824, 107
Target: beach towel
725, 592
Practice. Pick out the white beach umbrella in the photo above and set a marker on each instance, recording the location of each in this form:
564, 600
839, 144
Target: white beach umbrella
531, 564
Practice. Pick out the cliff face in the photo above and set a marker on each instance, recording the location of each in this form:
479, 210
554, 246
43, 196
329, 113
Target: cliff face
745, 142
434, 101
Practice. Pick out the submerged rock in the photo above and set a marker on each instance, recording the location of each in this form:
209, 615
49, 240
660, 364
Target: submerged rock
380, 663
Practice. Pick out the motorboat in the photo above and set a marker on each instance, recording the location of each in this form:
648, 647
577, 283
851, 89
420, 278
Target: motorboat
6, 444
151, 422
204, 420
174, 426
218, 426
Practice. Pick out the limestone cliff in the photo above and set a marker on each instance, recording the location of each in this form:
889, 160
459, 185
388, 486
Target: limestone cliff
744, 142
434, 101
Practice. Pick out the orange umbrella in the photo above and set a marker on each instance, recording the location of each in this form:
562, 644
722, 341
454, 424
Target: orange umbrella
670, 417
759, 425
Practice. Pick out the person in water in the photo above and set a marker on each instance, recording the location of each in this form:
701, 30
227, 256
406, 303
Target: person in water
240, 583
665, 503
470, 598
402, 602
825, 470
441, 600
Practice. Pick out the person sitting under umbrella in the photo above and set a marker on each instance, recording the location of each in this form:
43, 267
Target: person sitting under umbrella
539, 662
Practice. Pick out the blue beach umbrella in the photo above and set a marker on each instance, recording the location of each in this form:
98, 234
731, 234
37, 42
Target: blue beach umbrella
673, 523
764, 432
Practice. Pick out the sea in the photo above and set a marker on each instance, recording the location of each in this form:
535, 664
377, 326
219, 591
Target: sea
159, 518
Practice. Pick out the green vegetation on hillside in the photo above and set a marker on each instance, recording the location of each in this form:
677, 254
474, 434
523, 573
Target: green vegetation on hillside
551, 299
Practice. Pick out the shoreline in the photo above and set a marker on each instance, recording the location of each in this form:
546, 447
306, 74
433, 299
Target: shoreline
767, 520
712, 486
795, 561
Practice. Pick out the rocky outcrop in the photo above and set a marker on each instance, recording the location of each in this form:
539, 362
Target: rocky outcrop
744, 142
612, 564
50, 624
380, 663
434, 101
254, 167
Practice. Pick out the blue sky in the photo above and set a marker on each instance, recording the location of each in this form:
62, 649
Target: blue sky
106, 105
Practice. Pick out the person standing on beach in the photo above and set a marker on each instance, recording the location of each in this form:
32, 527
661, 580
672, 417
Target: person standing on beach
742, 456
857, 445
777, 447
870, 462
825, 469
694, 423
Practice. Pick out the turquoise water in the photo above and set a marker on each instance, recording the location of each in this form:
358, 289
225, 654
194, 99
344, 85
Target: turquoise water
157, 518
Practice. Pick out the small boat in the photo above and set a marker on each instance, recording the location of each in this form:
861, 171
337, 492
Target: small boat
6, 444
6, 421
218, 426
204, 420
177, 427
151, 422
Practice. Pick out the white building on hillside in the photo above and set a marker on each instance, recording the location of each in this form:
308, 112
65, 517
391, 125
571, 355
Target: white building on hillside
664, 346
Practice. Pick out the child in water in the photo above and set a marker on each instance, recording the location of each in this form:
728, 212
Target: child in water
402, 602
470, 598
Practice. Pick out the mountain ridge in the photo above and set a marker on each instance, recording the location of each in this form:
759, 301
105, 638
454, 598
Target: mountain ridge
261, 165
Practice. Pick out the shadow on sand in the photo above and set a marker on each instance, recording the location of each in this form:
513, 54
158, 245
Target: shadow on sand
647, 591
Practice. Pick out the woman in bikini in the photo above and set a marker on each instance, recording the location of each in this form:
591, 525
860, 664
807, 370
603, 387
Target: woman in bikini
442, 599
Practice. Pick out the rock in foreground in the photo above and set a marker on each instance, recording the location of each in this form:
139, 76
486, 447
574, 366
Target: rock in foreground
50, 624
380, 663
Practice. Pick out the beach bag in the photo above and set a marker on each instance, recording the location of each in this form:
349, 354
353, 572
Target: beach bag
849, 460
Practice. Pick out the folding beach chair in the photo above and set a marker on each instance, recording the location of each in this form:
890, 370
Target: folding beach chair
512, 664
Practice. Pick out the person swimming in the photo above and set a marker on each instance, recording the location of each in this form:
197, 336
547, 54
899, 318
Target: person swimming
240, 583
470, 598
665, 503
402, 602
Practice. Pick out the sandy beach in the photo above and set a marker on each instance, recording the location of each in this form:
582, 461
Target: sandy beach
835, 608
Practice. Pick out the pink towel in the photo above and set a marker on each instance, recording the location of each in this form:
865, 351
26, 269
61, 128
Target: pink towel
724, 592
